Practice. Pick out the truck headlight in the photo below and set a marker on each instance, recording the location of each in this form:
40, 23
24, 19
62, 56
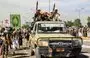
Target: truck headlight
76, 43
43, 43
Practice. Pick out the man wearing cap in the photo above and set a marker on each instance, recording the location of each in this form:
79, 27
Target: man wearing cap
37, 15
56, 15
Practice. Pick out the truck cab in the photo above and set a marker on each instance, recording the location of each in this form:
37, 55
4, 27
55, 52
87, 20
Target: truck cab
49, 26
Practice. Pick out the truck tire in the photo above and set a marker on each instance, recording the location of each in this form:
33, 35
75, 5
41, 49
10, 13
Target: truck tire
31, 52
37, 53
74, 57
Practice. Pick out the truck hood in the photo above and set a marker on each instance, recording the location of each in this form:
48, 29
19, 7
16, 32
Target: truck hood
54, 35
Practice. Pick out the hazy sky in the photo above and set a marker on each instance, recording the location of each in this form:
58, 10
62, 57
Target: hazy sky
69, 9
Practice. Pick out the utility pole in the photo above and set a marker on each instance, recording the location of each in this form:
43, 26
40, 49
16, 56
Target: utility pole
79, 12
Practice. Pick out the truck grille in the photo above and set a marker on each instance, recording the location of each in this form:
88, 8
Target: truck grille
60, 44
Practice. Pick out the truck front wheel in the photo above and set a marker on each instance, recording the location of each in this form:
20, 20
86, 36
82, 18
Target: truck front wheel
31, 52
37, 53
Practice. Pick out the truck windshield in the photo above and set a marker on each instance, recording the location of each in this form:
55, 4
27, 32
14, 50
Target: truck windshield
50, 27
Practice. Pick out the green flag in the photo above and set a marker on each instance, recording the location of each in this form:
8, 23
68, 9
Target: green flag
15, 20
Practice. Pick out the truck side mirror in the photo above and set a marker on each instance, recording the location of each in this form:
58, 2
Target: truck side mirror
33, 32
31, 28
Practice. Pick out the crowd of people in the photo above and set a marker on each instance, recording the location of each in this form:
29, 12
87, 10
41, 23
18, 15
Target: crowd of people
81, 32
46, 16
12, 39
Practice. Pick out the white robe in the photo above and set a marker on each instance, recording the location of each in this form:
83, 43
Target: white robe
80, 34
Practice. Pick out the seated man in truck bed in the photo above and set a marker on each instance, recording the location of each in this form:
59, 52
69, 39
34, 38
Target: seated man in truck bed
45, 16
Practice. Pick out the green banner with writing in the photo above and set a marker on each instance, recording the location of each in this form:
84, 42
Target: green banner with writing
15, 20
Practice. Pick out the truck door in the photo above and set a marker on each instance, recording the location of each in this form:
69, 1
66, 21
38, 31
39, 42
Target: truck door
34, 30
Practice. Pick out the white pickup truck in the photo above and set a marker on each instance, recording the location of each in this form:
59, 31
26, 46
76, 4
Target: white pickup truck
48, 39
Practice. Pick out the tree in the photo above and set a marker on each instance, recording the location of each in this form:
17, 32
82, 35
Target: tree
88, 23
77, 23
69, 23
25, 26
